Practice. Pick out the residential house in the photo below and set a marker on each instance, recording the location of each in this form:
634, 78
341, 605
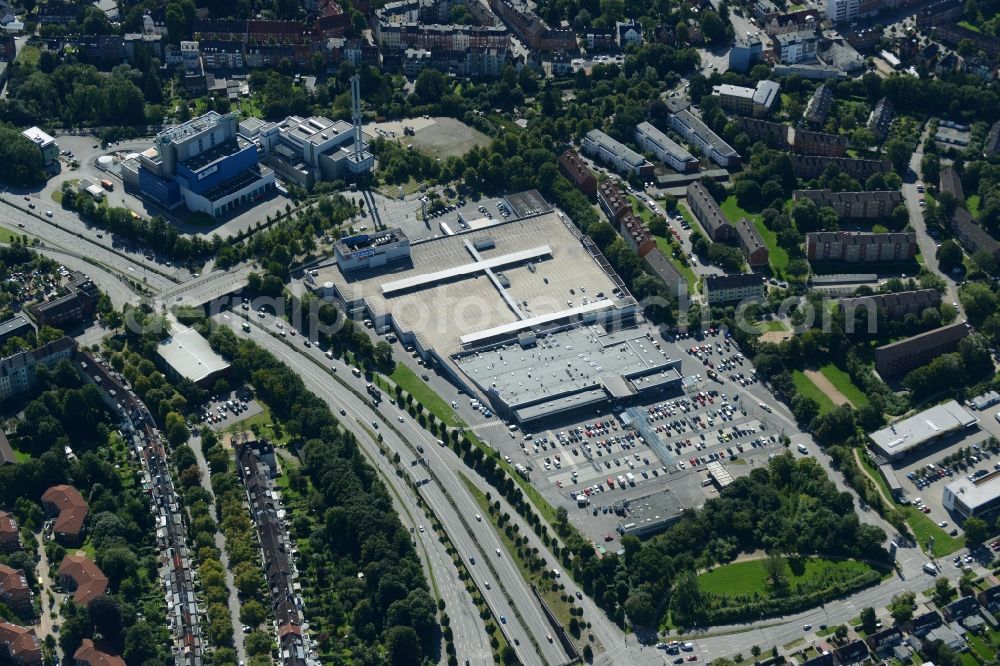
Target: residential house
89, 654
582, 177
990, 599
628, 32
14, 591
10, 536
900, 357
823, 659
599, 39
82, 577
854, 652
921, 624
884, 639
950, 638
795, 47
860, 247
775, 135
722, 289
70, 511
960, 608
756, 101
637, 235
19, 645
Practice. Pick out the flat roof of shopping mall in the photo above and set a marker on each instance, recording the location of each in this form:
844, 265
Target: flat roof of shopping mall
462, 302
909, 434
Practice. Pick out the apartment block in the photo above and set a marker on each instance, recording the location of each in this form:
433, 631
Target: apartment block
620, 157
10, 536
708, 142
582, 177
82, 577
723, 289
795, 46
753, 246
17, 372
664, 269
706, 210
841, 11
637, 235
748, 101
15, 592
613, 202
819, 143
666, 149
811, 166
19, 645
972, 236
900, 357
868, 205
819, 106
892, 306
775, 135
880, 118
857, 247
67, 506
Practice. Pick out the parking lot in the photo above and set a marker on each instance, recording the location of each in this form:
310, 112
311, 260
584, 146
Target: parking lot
606, 468
925, 473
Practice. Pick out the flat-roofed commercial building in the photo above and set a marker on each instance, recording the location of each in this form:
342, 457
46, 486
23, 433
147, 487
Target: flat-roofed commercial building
722, 289
666, 149
47, 146
979, 497
708, 142
622, 159
919, 430
371, 250
187, 354
900, 357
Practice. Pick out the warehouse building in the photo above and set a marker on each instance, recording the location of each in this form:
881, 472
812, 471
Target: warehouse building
186, 354
204, 165
906, 436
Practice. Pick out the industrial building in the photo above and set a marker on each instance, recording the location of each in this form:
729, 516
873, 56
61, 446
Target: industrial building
47, 146
205, 166
979, 497
620, 157
186, 354
708, 142
666, 149
910, 434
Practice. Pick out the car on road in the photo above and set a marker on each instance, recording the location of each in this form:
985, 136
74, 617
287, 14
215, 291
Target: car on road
343, 412
472, 560
399, 418
693, 657
479, 518
807, 627
375, 424
503, 619
48, 213
421, 528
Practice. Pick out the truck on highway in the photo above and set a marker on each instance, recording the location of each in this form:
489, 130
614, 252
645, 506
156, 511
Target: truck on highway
375, 394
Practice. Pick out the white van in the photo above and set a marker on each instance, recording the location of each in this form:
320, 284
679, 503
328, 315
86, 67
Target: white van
930, 568
803, 450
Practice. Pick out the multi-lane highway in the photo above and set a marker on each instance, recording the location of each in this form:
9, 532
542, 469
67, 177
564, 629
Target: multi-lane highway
508, 596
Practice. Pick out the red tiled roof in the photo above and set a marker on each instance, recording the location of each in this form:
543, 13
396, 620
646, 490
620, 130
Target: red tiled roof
90, 580
72, 508
88, 653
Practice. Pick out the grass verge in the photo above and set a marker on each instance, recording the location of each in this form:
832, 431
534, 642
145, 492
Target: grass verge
751, 577
842, 381
421, 392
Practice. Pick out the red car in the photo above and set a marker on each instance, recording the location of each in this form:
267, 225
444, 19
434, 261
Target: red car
693, 461
693, 657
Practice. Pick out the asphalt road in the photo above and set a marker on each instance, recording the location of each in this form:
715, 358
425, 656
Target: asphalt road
72, 236
926, 244
474, 540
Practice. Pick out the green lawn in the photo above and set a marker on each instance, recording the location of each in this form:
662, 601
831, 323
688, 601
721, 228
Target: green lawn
750, 577
972, 203
969, 26
421, 392
771, 326
777, 257
843, 382
663, 245
29, 55
805, 386
922, 527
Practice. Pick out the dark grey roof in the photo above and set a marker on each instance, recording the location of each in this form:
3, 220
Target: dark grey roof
735, 281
